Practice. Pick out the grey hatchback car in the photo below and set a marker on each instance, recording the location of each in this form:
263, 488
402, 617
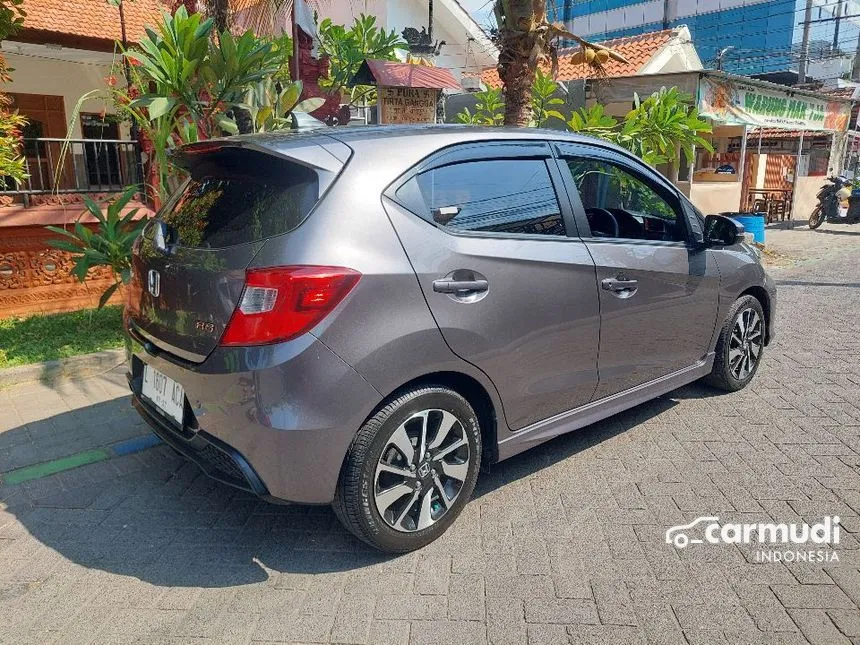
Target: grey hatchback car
363, 317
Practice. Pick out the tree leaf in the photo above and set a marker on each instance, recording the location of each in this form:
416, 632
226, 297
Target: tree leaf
310, 104
227, 124
107, 294
159, 106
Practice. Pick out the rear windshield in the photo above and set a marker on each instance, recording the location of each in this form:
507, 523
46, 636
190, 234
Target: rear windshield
235, 196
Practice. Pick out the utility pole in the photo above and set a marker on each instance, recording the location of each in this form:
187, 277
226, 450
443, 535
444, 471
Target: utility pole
430, 21
855, 68
804, 45
836, 28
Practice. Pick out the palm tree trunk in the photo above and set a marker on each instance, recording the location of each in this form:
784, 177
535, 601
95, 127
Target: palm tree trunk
518, 77
220, 12
522, 46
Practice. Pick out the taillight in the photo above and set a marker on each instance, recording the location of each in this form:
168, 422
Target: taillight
281, 303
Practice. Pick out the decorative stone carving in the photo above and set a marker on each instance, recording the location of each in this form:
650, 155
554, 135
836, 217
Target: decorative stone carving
421, 43
37, 278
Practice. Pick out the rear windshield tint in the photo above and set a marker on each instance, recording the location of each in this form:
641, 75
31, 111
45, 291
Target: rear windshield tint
235, 196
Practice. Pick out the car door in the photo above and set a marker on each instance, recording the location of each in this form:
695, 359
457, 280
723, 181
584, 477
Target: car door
507, 279
658, 289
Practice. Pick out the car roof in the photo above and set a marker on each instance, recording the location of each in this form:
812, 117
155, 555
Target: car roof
392, 148
429, 136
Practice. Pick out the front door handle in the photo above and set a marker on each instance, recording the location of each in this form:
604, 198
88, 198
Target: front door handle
460, 286
616, 284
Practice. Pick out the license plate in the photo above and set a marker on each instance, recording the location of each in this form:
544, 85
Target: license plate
164, 393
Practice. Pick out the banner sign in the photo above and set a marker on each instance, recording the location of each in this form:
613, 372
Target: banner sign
739, 103
407, 104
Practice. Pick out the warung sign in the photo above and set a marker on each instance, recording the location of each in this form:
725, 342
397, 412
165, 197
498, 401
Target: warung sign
745, 104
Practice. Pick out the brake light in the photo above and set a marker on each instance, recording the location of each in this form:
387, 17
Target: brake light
281, 303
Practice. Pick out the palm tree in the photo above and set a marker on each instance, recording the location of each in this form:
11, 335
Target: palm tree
260, 16
220, 11
527, 39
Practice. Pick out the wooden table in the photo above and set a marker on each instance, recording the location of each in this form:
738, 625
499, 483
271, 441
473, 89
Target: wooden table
775, 202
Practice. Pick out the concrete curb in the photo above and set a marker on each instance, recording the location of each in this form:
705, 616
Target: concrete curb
74, 367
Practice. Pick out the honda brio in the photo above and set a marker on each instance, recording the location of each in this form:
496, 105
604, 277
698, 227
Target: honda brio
364, 317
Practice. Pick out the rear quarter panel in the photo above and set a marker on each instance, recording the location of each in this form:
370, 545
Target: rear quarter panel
383, 329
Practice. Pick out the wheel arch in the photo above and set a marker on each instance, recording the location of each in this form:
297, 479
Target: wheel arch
471, 390
761, 294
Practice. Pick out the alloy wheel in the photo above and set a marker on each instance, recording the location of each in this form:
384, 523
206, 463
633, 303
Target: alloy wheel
746, 343
421, 471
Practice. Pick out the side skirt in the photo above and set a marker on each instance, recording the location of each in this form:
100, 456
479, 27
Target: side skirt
537, 433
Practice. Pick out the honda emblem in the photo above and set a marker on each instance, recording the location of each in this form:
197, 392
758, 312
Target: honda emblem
154, 283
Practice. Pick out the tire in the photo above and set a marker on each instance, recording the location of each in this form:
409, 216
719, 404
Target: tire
725, 374
370, 500
817, 217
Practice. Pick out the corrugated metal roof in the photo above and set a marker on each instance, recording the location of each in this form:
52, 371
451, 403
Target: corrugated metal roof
389, 73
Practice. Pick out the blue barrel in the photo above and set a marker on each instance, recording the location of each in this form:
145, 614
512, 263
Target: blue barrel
752, 222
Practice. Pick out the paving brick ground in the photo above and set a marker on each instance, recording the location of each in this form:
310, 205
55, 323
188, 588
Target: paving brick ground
564, 544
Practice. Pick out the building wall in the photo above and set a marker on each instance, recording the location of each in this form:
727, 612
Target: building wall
762, 31
457, 54
70, 80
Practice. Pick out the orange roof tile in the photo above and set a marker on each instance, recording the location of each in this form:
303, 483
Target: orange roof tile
91, 18
637, 49
841, 92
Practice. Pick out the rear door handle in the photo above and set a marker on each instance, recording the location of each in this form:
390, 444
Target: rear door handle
615, 284
460, 286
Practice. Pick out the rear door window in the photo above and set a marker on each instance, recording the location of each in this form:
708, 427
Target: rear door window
513, 196
235, 196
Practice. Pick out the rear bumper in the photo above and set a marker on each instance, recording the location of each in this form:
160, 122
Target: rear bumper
217, 459
276, 421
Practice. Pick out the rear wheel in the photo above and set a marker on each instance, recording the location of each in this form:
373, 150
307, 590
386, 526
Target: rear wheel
410, 470
817, 217
740, 346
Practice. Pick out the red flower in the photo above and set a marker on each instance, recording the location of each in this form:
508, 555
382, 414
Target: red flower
110, 80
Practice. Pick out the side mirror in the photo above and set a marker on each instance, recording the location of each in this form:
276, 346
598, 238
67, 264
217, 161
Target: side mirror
722, 231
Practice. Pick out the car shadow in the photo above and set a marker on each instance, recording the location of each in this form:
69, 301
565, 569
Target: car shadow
156, 517
854, 231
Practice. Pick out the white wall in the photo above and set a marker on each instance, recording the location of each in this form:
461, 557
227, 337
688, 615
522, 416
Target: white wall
34, 75
413, 13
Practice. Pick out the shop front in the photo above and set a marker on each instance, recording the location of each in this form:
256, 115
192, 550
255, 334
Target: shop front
772, 145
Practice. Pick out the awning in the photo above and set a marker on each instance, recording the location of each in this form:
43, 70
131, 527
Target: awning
392, 74
736, 100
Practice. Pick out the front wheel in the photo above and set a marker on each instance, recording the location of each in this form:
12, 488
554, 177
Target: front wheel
411, 470
817, 217
740, 346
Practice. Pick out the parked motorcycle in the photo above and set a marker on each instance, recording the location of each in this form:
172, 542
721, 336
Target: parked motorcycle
838, 202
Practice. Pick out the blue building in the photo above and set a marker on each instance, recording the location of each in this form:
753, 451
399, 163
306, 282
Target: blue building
765, 34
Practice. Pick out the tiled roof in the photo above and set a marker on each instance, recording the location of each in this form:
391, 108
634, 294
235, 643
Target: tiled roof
637, 49
91, 18
841, 92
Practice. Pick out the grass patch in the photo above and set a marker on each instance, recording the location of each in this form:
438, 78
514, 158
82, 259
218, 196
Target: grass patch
49, 337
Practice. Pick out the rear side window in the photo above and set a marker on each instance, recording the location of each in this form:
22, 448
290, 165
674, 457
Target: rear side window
235, 196
494, 195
